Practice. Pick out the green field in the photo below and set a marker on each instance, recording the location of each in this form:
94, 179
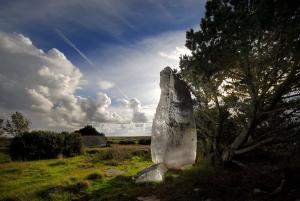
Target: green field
99, 174
107, 174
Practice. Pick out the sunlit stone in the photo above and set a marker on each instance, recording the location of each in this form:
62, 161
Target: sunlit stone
154, 173
174, 137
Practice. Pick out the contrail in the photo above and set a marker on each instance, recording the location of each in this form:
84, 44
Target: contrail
74, 47
70, 43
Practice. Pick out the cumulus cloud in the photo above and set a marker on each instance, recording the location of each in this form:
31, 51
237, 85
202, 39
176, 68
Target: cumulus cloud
138, 116
46, 83
105, 85
129, 129
135, 69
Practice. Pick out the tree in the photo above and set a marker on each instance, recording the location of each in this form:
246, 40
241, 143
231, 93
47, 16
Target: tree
244, 71
1, 127
88, 130
17, 125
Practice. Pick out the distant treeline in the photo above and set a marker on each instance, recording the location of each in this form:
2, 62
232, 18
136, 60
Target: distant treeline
45, 144
141, 140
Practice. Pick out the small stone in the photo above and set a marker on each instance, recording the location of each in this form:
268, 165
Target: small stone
154, 173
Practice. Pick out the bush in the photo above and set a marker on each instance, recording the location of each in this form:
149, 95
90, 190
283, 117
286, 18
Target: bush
88, 130
127, 142
144, 141
44, 145
73, 144
94, 176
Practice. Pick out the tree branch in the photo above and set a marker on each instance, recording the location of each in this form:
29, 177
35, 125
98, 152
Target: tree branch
249, 148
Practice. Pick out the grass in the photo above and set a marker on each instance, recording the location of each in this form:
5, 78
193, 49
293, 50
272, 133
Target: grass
68, 178
105, 174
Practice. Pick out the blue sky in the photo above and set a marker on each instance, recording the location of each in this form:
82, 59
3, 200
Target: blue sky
97, 24
127, 41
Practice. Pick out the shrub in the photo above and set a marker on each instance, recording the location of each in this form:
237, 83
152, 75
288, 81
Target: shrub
81, 185
73, 144
94, 176
144, 141
44, 144
127, 142
88, 130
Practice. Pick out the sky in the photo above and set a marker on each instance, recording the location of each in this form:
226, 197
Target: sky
69, 63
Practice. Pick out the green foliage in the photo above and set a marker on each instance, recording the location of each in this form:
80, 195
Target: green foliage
126, 142
144, 141
45, 144
72, 144
244, 71
88, 130
94, 176
17, 125
1, 127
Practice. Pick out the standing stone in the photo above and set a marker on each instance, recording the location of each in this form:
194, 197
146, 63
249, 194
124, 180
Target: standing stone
174, 139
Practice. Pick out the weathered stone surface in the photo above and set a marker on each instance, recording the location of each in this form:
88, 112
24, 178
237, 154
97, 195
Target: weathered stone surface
154, 173
174, 139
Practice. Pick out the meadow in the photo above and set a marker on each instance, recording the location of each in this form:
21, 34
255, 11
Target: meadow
107, 174
97, 171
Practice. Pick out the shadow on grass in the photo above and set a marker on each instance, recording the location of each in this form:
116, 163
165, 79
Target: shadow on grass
205, 183
120, 188
198, 183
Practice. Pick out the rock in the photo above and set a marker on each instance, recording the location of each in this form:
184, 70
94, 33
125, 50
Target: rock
154, 173
174, 138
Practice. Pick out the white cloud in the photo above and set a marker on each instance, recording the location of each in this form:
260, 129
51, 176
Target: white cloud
138, 115
175, 54
45, 83
105, 85
49, 81
39, 101
135, 69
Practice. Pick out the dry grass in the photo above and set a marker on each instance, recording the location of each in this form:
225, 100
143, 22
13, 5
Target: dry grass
120, 152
